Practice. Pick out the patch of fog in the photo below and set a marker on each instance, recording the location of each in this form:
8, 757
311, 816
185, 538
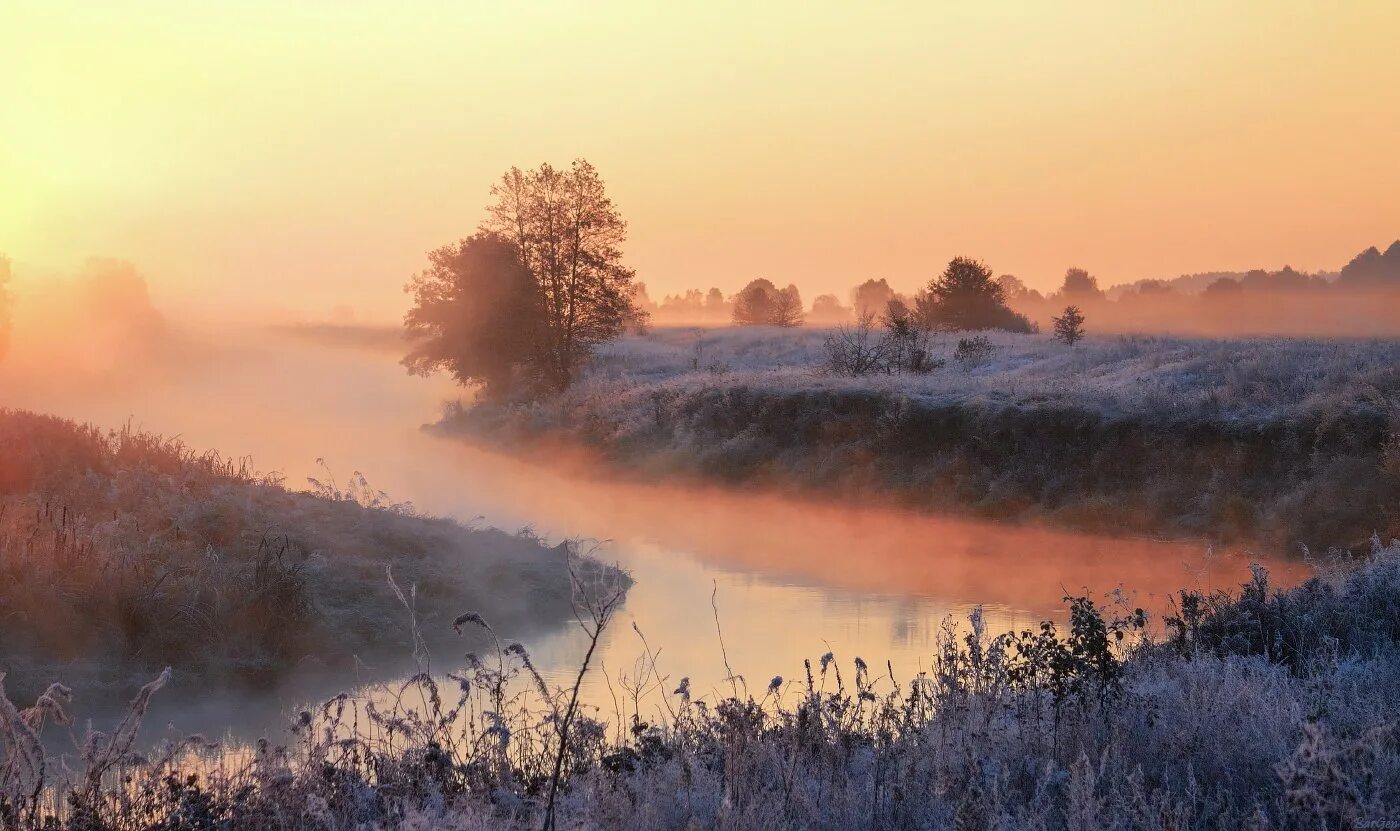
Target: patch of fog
792, 579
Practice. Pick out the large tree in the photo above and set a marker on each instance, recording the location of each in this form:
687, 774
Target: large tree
477, 313
871, 297
569, 237
1080, 286
965, 296
787, 307
756, 303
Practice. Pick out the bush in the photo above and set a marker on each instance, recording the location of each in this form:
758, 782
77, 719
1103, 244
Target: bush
1099, 727
902, 347
973, 352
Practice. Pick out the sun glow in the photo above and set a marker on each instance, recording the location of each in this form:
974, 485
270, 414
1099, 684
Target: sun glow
275, 155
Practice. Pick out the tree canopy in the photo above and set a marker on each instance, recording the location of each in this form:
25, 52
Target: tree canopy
1069, 326
569, 235
534, 291
477, 313
871, 297
1080, 286
965, 296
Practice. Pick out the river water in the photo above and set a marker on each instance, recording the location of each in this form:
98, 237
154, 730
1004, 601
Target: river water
789, 579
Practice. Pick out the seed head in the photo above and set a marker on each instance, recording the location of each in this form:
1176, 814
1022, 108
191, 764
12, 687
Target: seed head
468, 617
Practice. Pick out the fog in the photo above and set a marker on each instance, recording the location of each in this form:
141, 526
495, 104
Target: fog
791, 578
1318, 312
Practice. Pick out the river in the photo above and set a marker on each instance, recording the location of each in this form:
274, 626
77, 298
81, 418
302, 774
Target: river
783, 579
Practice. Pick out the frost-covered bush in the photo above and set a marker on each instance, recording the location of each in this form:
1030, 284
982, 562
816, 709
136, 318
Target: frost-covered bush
1319, 621
974, 351
1043, 730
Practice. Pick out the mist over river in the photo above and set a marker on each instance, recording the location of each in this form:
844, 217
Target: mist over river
791, 579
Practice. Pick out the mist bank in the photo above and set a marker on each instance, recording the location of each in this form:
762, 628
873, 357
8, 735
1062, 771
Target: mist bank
122, 552
1228, 310
1280, 443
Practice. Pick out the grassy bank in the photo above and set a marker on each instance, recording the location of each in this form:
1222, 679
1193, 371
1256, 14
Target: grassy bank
1259, 709
122, 553
1283, 442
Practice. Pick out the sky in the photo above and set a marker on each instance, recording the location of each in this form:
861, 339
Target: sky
295, 157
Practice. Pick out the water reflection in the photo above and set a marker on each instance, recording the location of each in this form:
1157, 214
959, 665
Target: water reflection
791, 579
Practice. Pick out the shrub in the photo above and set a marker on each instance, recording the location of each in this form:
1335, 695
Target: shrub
856, 349
974, 351
1069, 327
1100, 727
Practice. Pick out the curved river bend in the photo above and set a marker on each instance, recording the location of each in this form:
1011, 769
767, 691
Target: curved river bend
791, 579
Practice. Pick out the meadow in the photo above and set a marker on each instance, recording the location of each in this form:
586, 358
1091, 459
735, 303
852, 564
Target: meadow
1281, 442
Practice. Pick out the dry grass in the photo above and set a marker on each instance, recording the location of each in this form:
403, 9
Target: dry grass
1275, 442
1044, 729
122, 553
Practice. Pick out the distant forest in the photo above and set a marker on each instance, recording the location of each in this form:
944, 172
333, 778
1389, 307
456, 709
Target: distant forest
1363, 299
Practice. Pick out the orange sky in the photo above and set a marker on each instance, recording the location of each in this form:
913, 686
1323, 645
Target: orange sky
303, 155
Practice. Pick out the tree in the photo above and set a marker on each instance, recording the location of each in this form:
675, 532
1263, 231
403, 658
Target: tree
1080, 286
905, 344
855, 349
1371, 267
569, 235
1224, 287
716, 307
1069, 327
755, 304
965, 296
638, 315
4, 305
871, 297
477, 313
1014, 290
787, 308
827, 308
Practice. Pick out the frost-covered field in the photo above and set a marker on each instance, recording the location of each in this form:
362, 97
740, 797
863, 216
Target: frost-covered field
1242, 379
1260, 710
1286, 442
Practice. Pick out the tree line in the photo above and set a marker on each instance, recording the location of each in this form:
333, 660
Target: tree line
522, 303
1360, 299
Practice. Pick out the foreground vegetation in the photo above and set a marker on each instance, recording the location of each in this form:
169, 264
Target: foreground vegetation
1261, 710
122, 553
1283, 442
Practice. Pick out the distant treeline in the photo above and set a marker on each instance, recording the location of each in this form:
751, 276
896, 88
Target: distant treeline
1362, 299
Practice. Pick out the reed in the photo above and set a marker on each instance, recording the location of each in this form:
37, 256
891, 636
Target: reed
1109, 723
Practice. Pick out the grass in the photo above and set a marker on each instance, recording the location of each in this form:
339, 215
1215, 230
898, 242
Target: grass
123, 552
1277, 442
1260, 709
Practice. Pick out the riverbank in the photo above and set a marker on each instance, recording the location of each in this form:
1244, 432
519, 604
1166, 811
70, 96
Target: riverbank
1111, 721
1286, 443
122, 552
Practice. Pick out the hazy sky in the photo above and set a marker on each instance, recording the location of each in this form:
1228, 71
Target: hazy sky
306, 154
